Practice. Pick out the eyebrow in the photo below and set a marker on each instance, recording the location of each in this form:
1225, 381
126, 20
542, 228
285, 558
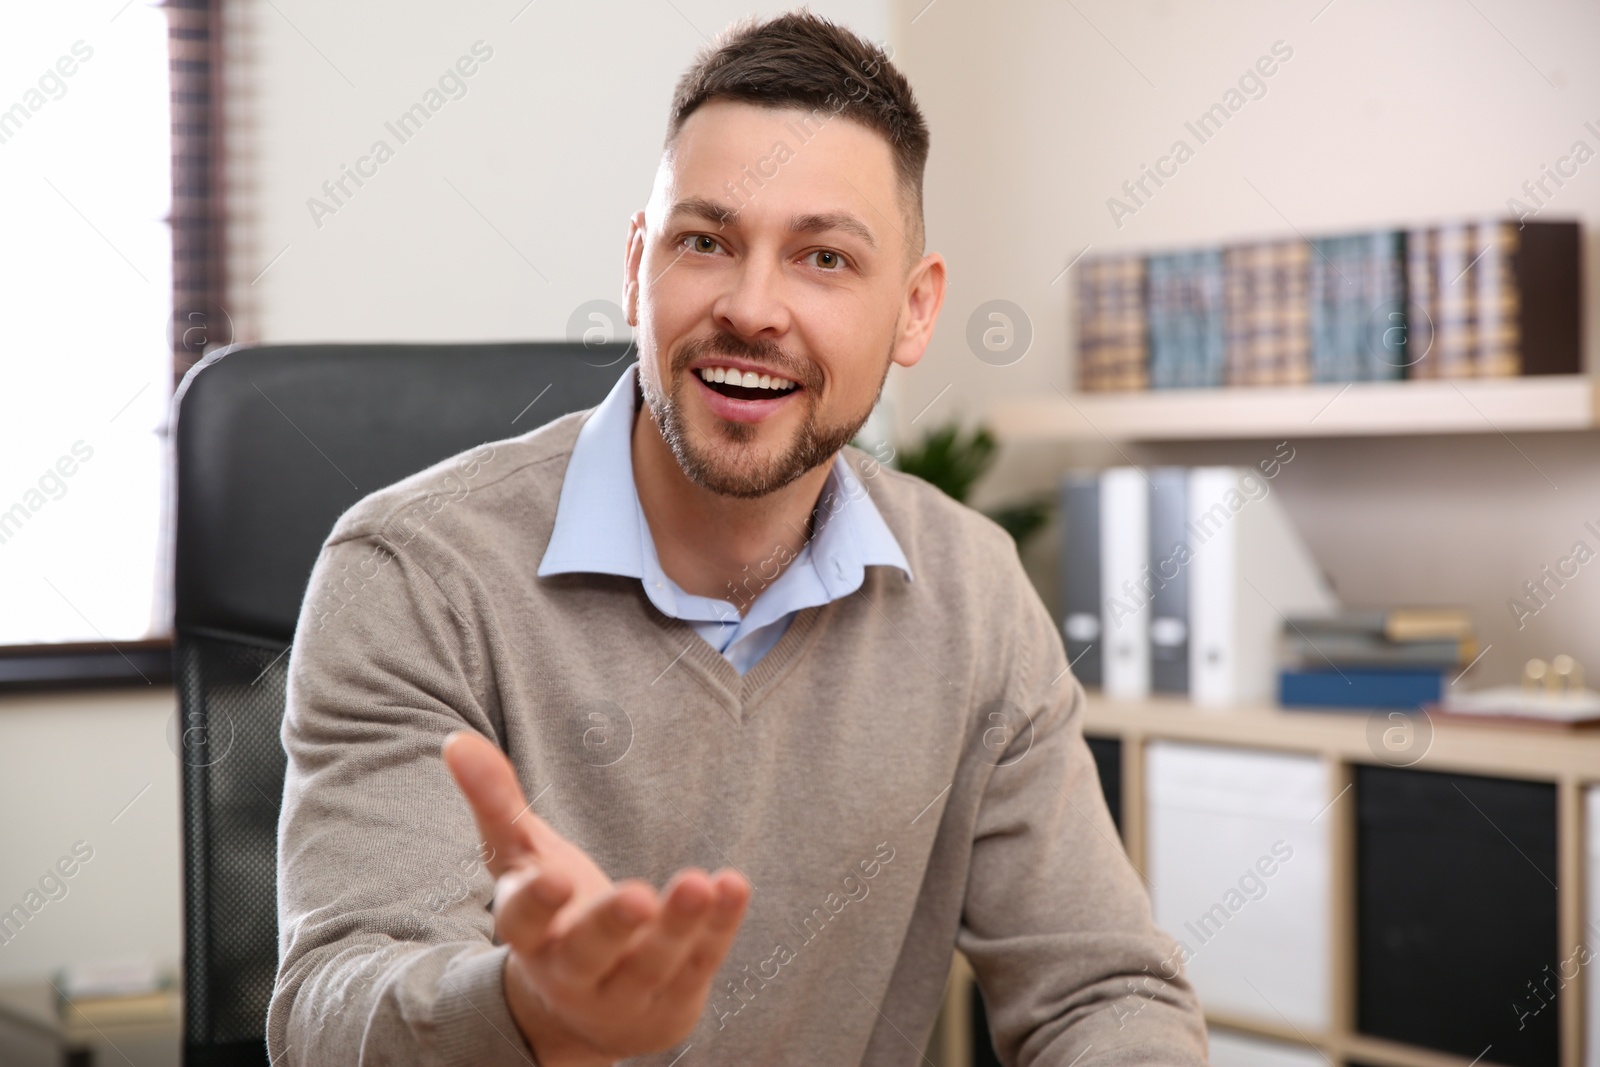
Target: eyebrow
811, 222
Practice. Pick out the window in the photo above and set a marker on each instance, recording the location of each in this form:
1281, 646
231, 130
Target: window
85, 306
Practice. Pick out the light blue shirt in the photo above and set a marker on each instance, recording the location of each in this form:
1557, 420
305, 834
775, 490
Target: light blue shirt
601, 528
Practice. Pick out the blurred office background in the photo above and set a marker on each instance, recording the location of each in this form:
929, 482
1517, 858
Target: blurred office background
504, 218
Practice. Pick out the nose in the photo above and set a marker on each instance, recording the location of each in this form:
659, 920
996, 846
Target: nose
753, 305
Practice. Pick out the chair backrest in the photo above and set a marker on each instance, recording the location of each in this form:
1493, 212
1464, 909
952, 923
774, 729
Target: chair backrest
273, 443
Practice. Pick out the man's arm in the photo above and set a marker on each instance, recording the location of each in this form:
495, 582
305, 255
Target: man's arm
1056, 923
385, 871
385, 945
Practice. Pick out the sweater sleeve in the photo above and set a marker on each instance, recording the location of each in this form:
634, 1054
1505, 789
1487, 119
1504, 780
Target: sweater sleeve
1056, 923
386, 948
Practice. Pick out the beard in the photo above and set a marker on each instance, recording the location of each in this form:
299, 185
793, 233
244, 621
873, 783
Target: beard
721, 464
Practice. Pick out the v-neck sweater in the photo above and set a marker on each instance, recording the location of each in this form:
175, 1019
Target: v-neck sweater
903, 774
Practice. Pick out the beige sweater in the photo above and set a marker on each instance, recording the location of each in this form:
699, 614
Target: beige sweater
903, 774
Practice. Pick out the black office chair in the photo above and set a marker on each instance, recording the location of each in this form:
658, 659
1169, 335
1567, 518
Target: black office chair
273, 444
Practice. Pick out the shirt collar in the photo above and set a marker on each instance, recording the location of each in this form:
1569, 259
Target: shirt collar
600, 528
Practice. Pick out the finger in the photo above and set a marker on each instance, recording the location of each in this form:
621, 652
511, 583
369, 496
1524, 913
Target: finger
592, 944
486, 778
664, 944
721, 926
525, 900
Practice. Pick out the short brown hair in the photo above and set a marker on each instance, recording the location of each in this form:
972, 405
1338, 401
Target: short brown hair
804, 61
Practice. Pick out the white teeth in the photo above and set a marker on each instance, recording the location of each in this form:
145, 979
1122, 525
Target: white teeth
748, 379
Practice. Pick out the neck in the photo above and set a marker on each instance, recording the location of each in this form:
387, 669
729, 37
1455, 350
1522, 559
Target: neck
717, 546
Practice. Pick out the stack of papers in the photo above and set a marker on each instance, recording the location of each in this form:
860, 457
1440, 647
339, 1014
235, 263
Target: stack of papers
1515, 702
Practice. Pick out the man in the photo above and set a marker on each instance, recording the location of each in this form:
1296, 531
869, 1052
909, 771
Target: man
694, 629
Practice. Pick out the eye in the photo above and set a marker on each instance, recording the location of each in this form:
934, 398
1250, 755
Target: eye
827, 260
700, 242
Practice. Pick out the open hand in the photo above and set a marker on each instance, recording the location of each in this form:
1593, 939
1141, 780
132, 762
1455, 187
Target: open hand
598, 971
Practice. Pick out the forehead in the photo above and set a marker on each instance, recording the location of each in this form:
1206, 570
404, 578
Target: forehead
770, 163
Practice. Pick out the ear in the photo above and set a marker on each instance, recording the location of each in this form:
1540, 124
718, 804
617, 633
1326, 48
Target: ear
632, 256
920, 310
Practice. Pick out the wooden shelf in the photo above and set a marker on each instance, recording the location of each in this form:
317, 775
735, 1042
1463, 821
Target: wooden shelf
1533, 752
1569, 758
1355, 409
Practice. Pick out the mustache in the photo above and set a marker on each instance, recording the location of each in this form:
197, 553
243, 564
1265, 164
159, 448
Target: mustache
769, 353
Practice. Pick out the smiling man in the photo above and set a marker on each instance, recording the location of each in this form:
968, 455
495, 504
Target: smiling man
688, 733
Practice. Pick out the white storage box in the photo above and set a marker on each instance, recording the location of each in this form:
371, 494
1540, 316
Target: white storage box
1239, 875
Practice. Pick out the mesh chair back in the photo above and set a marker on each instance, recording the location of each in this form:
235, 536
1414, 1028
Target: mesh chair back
273, 444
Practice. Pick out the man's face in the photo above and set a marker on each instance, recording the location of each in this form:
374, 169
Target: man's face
774, 244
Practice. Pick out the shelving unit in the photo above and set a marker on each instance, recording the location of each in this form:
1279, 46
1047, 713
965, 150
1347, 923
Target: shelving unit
1355, 409
1570, 759
1567, 759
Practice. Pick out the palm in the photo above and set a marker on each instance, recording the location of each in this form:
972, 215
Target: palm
555, 853
598, 970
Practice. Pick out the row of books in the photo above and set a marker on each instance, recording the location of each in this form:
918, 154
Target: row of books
1385, 658
1176, 580
1474, 298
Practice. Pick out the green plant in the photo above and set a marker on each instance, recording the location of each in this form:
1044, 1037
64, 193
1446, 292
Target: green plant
954, 462
947, 459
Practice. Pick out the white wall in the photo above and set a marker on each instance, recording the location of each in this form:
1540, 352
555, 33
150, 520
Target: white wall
1385, 114
506, 212
96, 768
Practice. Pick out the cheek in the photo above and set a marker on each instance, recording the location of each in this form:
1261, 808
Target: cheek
678, 302
854, 353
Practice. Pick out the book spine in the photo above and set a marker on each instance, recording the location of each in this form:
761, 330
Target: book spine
1384, 324
1166, 356
1238, 298
1547, 274
1455, 338
1293, 328
1325, 306
1331, 292
1263, 316
1113, 342
1349, 688
1089, 310
1307, 650
1496, 294
1422, 305
1133, 362
1212, 333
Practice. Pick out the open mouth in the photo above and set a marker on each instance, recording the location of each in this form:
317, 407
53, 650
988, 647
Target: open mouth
745, 385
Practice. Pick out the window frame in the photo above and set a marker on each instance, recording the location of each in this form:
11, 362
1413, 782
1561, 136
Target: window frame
199, 324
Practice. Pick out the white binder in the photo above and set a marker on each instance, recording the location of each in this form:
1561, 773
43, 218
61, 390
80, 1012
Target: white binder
1124, 583
1248, 570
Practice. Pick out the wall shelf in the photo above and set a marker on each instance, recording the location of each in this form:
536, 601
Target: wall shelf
1541, 753
1354, 409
